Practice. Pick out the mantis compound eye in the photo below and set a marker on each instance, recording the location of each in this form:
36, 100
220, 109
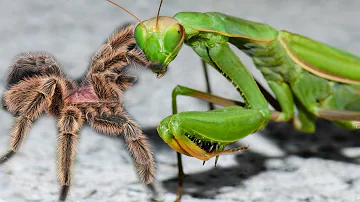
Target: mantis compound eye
173, 37
140, 36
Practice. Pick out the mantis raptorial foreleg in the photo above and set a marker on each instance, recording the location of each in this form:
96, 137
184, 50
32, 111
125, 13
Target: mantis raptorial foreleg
205, 96
253, 115
181, 90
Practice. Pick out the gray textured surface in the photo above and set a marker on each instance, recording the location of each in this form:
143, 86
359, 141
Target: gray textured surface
281, 165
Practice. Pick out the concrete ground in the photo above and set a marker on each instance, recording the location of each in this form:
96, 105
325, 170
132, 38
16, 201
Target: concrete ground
282, 165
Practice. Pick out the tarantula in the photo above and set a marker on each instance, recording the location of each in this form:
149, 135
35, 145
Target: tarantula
36, 84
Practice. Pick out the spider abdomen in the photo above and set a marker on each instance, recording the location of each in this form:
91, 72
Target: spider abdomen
30, 90
30, 65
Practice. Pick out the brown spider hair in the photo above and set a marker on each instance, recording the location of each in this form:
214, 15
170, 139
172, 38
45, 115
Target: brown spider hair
37, 85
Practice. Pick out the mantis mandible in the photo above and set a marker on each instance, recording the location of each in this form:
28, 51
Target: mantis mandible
309, 79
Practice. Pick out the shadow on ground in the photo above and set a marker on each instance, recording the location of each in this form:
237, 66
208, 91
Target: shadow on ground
326, 143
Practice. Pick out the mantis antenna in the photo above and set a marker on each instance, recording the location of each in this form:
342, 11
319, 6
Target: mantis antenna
157, 16
134, 16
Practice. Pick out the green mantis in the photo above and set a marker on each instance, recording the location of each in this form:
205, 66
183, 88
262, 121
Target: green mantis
315, 79
310, 79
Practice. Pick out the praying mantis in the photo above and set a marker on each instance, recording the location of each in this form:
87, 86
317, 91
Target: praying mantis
309, 79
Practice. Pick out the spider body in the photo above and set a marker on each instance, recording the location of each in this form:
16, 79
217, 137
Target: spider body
37, 85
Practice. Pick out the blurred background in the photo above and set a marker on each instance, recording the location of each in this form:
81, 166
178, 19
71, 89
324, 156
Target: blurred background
281, 165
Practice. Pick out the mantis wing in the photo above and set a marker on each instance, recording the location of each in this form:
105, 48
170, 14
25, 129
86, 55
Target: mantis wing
320, 59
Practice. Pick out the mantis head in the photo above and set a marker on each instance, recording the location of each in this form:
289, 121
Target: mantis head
161, 39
